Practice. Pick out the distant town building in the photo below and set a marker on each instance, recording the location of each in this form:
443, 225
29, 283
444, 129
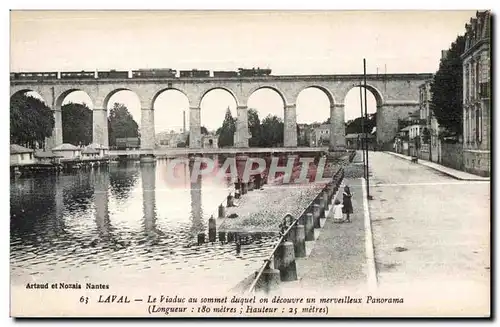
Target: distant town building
171, 139
128, 143
356, 141
210, 140
430, 148
321, 136
476, 94
67, 151
20, 155
46, 157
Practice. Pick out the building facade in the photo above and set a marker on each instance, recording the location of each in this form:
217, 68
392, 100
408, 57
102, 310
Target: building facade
321, 136
476, 95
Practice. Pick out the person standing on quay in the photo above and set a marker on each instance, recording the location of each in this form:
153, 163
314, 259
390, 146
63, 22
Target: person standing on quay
347, 203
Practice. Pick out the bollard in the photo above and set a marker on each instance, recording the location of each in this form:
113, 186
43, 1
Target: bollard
322, 205
299, 243
222, 237
309, 227
237, 194
326, 202
269, 280
222, 211
243, 188
257, 182
316, 213
237, 185
230, 201
302, 220
238, 247
201, 238
284, 261
291, 236
212, 229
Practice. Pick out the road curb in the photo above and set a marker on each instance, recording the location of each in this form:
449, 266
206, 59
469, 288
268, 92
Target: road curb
436, 169
369, 248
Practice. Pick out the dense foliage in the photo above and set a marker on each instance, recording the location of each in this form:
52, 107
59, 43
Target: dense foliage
31, 120
447, 89
121, 124
77, 124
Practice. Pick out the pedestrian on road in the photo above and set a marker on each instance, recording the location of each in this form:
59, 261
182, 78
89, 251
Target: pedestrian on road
338, 215
347, 202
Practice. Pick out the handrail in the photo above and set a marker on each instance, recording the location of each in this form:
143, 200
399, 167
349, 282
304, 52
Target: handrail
283, 238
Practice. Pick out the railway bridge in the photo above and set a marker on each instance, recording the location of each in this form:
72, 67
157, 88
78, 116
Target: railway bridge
396, 95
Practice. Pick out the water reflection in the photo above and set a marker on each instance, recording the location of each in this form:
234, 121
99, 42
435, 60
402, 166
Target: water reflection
120, 218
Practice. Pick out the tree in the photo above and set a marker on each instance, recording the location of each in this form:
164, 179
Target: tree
355, 126
272, 132
446, 89
254, 128
121, 124
77, 124
226, 132
204, 130
31, 120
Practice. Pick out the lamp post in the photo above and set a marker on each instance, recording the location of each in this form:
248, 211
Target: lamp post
364, 136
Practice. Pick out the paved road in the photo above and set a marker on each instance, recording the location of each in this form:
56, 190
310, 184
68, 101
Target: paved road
431, 235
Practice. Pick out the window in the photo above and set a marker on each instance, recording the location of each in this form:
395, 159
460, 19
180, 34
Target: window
479, 124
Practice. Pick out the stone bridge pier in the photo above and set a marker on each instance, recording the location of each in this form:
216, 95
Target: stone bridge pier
396, 95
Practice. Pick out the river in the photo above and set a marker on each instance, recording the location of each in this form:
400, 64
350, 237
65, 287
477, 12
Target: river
126, 223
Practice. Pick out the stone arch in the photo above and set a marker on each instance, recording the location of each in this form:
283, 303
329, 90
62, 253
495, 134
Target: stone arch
159, 92
269, 87
27, 90
327, 92
60, 99
374, 90
113, 92
205, 92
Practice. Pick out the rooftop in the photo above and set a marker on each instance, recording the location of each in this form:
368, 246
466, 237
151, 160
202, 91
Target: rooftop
65, 147
15, 149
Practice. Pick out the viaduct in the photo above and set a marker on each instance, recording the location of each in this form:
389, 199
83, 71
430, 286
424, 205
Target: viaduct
396, 95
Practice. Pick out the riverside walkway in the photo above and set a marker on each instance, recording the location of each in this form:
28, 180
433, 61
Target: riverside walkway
336, 260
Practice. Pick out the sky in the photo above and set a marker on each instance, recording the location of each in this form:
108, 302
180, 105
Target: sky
288, 42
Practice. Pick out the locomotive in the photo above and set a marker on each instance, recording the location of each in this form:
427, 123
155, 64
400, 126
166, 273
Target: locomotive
151, 73
113, 74
244, 72
225, 74
194, 73
140, 73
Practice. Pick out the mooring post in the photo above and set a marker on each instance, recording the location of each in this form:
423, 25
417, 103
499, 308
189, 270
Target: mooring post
269, 280
201, 238
222, 211
309, 227
284, 261
300, 241
316, 214
212, 229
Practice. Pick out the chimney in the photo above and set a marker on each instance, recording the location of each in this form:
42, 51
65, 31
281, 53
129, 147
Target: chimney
184, 121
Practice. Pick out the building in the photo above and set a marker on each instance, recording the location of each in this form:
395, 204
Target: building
476, 94
430, 145
46, 157
171, 139
321, 136
210, 140
67, 151
90, 153
19, 155
355, 141
128, 143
